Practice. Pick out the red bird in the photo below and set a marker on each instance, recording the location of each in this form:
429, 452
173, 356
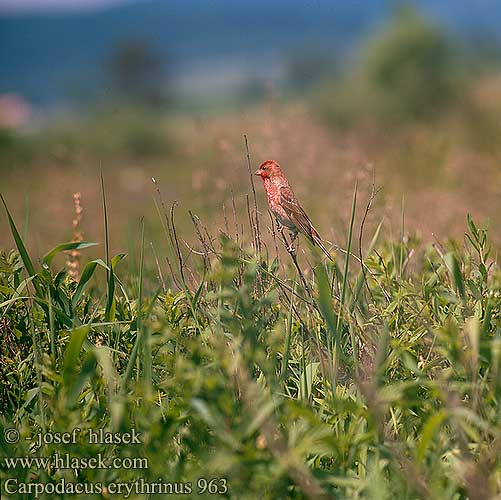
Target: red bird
285, 207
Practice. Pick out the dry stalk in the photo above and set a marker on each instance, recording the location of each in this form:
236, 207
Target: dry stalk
226, 227
162, 211
374, 192
171, 225
205, 245
255, 215
234, 208
273, 233
159, 269
292, 252
73, 260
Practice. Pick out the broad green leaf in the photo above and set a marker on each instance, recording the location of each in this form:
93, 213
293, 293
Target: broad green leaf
325, 304
63, 247
307, 379
454, 268
429, 429
70, 363
12, 301
84, 374
86, 275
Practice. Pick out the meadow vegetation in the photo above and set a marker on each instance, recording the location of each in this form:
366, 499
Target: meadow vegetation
342, 381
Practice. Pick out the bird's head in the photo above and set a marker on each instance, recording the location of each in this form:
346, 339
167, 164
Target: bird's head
269, 169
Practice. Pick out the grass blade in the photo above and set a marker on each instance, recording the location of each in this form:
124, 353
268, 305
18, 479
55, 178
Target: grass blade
110, 303
142, 333
285, 358
346, 266
28, 264
72, 245
454, 268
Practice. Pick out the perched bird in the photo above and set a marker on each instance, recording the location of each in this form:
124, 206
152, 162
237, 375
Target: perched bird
285, 207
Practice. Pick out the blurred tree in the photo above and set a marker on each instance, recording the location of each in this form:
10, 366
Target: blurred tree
409, 70
306, 67
254, 90
411, 67
138, 73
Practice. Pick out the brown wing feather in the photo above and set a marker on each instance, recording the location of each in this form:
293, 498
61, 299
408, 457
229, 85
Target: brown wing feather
295, 211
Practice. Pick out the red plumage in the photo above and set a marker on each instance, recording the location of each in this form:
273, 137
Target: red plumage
284, 204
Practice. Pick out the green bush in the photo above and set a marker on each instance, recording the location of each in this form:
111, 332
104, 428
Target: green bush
407, 71
358, 382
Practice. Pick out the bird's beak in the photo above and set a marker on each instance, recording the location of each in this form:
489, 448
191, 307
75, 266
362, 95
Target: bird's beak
258, 172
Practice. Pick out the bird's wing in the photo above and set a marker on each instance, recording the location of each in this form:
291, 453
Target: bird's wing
298, 216
295, 211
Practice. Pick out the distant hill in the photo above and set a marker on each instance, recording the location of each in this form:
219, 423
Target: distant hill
211, 45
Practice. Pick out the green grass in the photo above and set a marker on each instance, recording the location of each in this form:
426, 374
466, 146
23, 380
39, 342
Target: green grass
383, 382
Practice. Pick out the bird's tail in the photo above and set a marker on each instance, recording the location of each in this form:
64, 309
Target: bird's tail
318, 241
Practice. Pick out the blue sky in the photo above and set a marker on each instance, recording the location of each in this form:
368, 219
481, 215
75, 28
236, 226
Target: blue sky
52, 5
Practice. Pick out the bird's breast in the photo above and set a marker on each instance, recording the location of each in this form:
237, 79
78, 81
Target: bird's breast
272, 193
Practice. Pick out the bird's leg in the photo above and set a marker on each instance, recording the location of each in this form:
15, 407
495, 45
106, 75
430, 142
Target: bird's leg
292, 235
289, 246
280, 230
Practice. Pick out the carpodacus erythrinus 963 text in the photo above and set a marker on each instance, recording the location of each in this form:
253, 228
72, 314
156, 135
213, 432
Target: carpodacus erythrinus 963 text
285, 206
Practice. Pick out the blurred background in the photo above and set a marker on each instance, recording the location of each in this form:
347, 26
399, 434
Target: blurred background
336, 92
